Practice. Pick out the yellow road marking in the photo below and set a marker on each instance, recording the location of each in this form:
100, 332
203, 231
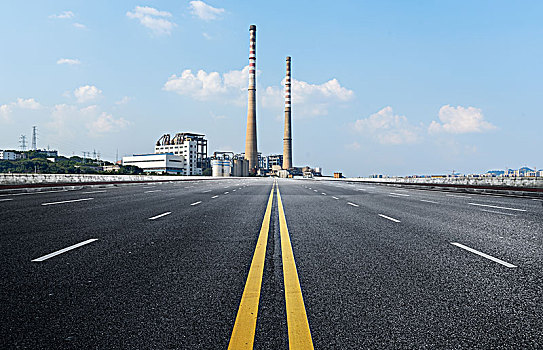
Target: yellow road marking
299, 335
243, 334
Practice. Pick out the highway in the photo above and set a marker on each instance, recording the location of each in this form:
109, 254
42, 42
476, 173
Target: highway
268, 263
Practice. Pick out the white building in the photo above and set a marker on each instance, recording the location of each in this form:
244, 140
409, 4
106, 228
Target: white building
159, 163
8, 155
192, 147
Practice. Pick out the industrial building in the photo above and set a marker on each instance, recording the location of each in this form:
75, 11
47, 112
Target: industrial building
9, 155
225, 164
164, 163
192, 147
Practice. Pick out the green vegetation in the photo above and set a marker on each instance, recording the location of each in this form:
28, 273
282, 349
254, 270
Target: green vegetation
38, 163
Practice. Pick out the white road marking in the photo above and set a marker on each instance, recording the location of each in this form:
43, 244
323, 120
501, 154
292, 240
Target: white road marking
504, 263
89, 192
389, 218
233, 190
149, 186
335, 197
37, 192
215, 197
206, 191
70, 201
497, 212
6, 199
160, 215
45, 257
495, 207
399, 194
153, 191
360, 189
354, 205
226, 192
427, 201
324, 194
315, 191
457, 196
196, 203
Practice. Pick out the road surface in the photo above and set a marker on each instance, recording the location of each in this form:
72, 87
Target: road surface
267, 263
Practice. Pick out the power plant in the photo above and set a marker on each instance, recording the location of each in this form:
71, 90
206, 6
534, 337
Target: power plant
287, 138
251, 152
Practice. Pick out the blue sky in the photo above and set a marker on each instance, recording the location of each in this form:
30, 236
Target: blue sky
390, 87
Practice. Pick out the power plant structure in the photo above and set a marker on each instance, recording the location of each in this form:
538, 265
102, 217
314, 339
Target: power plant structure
287, 138
225, 164
251, 151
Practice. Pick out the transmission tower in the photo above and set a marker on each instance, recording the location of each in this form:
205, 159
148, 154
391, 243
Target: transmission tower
34, 145
22, 142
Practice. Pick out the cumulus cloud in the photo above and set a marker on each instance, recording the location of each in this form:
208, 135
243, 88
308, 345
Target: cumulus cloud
204, 11
205, 86
80, 26
231, 87
388, 128
5, 112
460, 120
21, 103
153, 19
106, 123
308, 99
28, 103
87, 93
124, 100
63, 15
70, 61
69, 121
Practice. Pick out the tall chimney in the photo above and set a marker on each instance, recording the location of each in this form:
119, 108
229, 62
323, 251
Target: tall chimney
287, 138
251, 152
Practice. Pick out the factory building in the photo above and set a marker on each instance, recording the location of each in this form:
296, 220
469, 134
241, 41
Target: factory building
225, 164
164, 163
9, 155
192, 147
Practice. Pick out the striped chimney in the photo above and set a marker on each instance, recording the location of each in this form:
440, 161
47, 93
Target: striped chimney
287, 138
251, 152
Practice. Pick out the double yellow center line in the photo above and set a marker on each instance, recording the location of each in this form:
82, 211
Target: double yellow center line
299, 335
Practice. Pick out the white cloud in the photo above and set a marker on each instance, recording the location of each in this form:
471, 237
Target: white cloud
7, 109
231, 87
205, 86
388, 128
28, 103
460, 120
124, 100
80, 26
70, 61
86, 93
153, 19
353, 146
69, 121
204, 11
207, 36
63, 15
106, 123
308, 99
5, 112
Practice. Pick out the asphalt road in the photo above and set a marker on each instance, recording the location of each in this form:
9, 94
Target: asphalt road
177, 266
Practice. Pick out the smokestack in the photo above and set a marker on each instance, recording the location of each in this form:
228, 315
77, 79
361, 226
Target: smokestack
251, 152
287, 138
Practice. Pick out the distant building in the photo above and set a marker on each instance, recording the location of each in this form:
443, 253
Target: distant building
338, 175
166, 163
9, 155
114, 167
274, 159
192, 147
